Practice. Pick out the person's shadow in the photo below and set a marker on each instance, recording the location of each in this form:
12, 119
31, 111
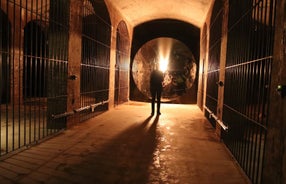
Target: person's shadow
126, 158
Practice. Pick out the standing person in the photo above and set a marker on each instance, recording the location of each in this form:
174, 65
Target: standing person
156, 87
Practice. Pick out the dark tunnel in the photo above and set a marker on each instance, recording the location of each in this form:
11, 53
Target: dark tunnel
184, 32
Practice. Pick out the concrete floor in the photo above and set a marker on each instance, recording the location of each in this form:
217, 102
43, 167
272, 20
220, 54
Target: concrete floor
126, 145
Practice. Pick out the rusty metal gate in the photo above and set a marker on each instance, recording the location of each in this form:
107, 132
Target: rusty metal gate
121, 67
95, 64
248, 72
247, 77
214, 62
33, 70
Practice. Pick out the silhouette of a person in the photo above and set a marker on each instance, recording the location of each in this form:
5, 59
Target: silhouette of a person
156, 87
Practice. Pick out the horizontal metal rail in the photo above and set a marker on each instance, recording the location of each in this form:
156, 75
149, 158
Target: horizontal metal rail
246, 117
92, 106
65, 114
211, 114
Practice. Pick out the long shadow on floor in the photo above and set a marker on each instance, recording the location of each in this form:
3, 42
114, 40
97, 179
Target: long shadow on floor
124, 159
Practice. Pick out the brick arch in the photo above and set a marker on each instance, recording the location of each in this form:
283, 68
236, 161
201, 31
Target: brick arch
122, 64
95, 57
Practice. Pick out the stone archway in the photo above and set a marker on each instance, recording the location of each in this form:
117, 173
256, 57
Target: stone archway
122, 63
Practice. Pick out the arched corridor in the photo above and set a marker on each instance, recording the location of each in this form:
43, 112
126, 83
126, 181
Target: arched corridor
127, 145
67, 63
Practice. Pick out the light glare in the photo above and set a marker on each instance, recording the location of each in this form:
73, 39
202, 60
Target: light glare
163, 64
164, 47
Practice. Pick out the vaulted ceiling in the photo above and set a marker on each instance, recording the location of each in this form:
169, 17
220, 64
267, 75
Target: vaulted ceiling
139, 11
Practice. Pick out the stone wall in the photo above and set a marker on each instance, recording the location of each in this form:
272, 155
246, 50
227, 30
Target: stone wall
283, 79
274, 170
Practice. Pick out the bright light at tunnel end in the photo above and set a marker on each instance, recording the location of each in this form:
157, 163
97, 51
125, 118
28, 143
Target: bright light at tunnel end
164, 48
163, 64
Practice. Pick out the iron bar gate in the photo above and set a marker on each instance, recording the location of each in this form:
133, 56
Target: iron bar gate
214, 61
33, 70
247, 78
95, 64
122, 65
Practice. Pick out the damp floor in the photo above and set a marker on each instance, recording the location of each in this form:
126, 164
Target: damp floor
126, 145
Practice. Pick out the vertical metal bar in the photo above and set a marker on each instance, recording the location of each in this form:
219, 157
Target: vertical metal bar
264, 22
35, 64
50, 78
38, 71
235, 103
12, 75
241, 101
252, 115
261, 88
19, 79
25, 78
8, 91
2, 23
2, 18
256, 155
252, 91
255, 9
256, 90
3, 109
40, 79
31, 73
249, 148
251, 158
260, 155
259, 8
43, 81
39, 14
1, 69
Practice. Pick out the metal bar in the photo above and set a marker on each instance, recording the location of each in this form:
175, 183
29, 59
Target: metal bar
251, 58
35, 64
19, 78
216, 118
31, 44
24, 81
13, 80
8, 77
65, 114
1, 71
45, 50
92, 106
39, 16
266, 59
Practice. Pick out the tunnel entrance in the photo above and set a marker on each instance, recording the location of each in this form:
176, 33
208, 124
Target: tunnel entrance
182, 33
176, 62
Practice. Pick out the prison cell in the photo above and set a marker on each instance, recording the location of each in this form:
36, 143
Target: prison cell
214, 61
121, 67
247, 80
95, 64
33, 52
